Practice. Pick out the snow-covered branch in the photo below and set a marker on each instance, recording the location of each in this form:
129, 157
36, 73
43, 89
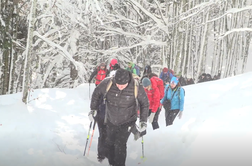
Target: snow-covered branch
235, 30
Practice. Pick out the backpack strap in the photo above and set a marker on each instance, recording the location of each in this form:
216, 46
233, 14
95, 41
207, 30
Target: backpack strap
107, 89
136, 84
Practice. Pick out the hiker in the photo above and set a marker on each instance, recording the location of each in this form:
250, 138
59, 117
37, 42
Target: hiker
166, 75
121, 112
202, 78
133, 68
153, 93
101, 72
148, 73
113, 66
173, 101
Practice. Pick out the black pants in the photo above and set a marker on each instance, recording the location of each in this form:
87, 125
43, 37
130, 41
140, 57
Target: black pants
155, 119
102, 129
101, 138
170, 115
116, 143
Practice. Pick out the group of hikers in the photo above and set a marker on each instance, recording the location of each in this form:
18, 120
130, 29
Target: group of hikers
121, 97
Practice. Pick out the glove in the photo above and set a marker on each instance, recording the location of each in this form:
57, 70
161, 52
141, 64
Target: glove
89, 81
151, 117
92, 114
180, 114
143, 126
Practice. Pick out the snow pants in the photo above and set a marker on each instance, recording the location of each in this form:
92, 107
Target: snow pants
116, 143
170, 115
102, 130
101, 138
155, 120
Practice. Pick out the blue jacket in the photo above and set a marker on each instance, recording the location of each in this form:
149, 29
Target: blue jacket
177, 101
166, 77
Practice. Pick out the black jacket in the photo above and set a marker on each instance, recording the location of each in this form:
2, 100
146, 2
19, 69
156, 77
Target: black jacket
121, 104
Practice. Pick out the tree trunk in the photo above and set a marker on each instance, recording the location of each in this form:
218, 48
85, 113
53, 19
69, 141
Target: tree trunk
27, 71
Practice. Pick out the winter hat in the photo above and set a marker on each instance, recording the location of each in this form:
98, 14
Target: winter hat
113, 62
174, 80
102, 64
146, 82
165, 69
122, 76
130, 64
147, 69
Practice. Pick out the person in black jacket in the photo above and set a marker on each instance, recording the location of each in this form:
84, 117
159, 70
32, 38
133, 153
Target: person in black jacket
120, 114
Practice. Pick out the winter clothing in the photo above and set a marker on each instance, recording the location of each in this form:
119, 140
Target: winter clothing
100, 74
112, 63
149, 75
92, 114
176, 96
153, 96
170, 116
154, 99
177, 101
146, 82
166, 76
151, 117
174, 80
121, 114
165, 70
115, 147
147, 70
113, 66
122, 76
160, 85
131, 68
155, 119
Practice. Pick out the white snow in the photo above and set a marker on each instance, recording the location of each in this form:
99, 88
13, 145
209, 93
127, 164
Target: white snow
215, 129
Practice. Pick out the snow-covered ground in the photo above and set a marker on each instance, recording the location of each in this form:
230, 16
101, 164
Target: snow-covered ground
215, 130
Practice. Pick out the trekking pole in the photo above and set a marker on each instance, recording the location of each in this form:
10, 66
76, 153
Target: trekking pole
142, 148
87, 138
91, 137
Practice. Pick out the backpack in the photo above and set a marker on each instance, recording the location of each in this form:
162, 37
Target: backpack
160, 85
171, 71
137, 70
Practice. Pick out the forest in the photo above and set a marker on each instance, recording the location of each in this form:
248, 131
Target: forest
57, 43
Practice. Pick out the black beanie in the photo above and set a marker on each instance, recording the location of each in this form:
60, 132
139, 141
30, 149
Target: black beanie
122, 76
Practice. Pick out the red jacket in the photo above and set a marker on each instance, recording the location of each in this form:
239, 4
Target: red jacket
101, 74
153, 96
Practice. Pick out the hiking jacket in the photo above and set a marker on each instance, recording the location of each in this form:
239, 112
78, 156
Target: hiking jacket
153, 96
100, 75
166, 77
177, 101
132, 69
121, 107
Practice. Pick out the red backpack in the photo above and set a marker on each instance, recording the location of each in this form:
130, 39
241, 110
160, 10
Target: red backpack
160, 85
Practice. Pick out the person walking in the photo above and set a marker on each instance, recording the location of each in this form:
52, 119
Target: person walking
121, 112
101, 72
153, 93
113, 66
173, 101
